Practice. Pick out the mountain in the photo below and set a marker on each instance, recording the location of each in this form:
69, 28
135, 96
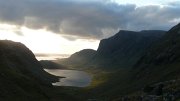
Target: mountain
154, 76
124, 40
80, 59
122, 50
22, 76
133, 66
162, 60
125, 48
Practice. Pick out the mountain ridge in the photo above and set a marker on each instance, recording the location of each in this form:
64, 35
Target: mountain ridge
119, 51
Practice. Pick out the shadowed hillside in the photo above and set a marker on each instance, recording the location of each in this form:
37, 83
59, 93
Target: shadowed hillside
125, 48
132, 66
22, 77
162, 60
122, 50
79, 59
154, 76
151, 66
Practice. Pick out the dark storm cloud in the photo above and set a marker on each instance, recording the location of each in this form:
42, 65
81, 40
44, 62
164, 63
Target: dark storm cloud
85, 19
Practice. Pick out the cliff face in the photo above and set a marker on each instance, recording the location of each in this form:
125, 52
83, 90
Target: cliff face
22, 76
125, 40
125, 48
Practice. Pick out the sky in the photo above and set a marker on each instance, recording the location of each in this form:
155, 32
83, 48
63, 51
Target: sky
67, 26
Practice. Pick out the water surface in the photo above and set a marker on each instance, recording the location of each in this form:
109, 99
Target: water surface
72, 77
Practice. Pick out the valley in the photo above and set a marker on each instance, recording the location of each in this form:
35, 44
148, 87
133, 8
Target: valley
129, 66
89, 50
134, 73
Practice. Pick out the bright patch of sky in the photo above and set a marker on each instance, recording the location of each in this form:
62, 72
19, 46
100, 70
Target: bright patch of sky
43, 41
145, 2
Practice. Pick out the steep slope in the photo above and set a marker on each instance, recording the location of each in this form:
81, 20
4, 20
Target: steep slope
162, 61
125, 48
157, 72
154, 76
22, 77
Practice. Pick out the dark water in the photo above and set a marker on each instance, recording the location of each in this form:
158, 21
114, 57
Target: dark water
72, 77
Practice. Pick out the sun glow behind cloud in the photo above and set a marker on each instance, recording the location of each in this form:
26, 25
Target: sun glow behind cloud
43, 41
67, 26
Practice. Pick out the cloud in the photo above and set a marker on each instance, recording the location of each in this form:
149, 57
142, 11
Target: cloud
94, 19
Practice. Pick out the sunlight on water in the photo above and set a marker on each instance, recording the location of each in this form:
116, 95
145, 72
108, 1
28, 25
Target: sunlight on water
51, 56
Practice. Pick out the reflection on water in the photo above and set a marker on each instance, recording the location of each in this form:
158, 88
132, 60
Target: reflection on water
72, 77
51, 56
